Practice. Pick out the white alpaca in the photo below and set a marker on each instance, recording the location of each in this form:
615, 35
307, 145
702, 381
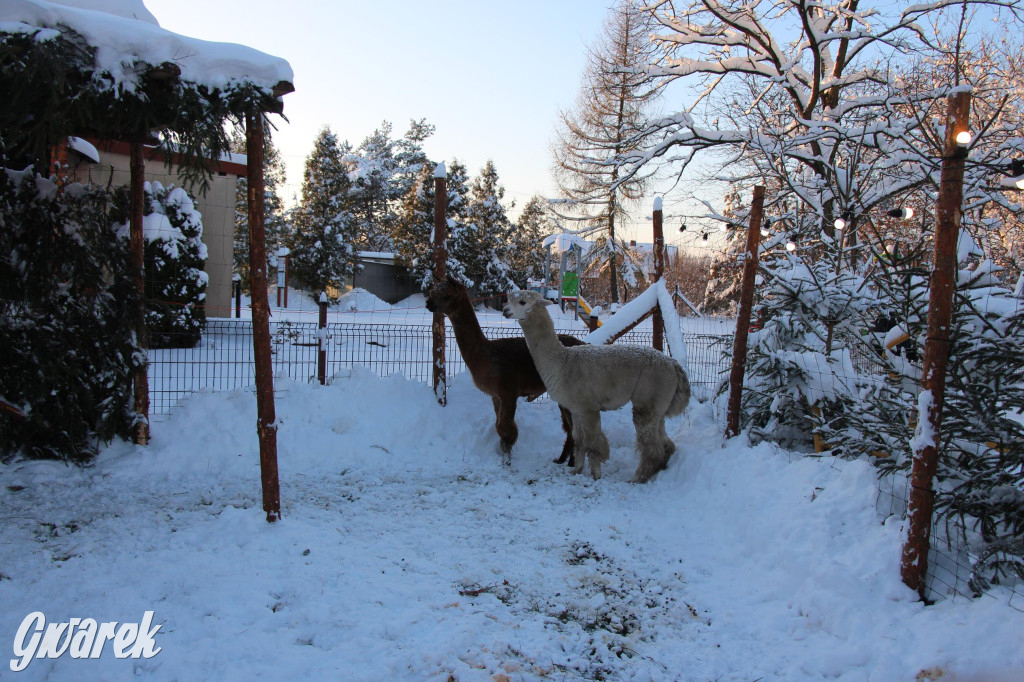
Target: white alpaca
590, 379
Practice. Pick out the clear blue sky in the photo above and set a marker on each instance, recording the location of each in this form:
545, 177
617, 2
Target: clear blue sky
491, 76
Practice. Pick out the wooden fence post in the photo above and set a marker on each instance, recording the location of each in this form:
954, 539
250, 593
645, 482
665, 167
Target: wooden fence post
440, 272
137, 246
266, 419
739, 349
659, 272
914, 565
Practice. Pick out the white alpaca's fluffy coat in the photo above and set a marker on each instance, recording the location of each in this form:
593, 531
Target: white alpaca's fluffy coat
590, 379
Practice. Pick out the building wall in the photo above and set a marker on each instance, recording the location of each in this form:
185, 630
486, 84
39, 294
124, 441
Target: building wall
217, 208
384, 281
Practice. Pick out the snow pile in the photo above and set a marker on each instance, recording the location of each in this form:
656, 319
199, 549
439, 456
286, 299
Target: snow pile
125, 35
361, 300
407, 552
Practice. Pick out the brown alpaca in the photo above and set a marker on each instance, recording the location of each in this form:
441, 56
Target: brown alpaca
501, 368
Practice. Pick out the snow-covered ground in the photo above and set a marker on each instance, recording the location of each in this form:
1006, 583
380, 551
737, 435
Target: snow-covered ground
408, 552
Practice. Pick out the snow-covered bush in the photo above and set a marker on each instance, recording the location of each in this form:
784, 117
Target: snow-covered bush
175, 257
65, 317
981, 465
799, 373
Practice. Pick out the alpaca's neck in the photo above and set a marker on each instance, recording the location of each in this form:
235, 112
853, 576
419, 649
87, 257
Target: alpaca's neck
546, 349
468, 334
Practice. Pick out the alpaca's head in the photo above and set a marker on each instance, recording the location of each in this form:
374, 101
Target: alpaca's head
445, 296
520, 303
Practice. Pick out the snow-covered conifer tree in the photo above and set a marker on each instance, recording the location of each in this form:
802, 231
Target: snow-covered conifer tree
322, 244
981, 465
382, 171
526, 253
486, 256
175, 262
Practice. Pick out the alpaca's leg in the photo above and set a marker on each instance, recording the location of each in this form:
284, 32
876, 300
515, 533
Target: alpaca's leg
505, 424
595, 444
579, 456
670, 447
569, 445
651, 445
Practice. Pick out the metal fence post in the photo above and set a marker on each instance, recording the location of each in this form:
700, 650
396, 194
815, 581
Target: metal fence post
440, 272
739, 348
914, 565
321, 339
236, 281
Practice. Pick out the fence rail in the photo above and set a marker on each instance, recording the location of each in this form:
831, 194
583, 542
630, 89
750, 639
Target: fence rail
223, 358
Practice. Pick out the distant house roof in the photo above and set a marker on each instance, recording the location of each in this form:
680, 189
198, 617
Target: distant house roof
564, 241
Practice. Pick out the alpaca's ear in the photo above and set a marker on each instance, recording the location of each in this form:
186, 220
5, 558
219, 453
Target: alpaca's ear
547, 301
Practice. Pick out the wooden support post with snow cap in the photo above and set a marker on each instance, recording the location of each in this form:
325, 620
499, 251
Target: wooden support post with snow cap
659, 272
321, 341
440, 272
739, 349
137, 247
266, 418
925, 444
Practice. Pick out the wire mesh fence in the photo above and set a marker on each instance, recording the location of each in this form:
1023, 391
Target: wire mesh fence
223, 358
949, 561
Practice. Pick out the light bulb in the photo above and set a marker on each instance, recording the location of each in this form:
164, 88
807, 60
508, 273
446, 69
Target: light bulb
963, 138
790, 246
840, 224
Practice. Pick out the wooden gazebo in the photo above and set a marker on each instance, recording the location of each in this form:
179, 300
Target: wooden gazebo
116, 75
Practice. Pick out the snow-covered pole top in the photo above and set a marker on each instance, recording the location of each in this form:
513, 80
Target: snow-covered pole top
657, 203
440, 171
323, 297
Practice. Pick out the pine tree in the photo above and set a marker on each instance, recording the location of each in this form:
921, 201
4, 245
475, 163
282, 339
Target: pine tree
487, 264
175, 262
323, 241
275, 221
526, 253
463, 240
415, 228
383, 170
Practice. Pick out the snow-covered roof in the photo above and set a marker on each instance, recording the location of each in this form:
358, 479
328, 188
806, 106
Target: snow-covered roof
382, 256
126, 35
563, 241
85, 148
